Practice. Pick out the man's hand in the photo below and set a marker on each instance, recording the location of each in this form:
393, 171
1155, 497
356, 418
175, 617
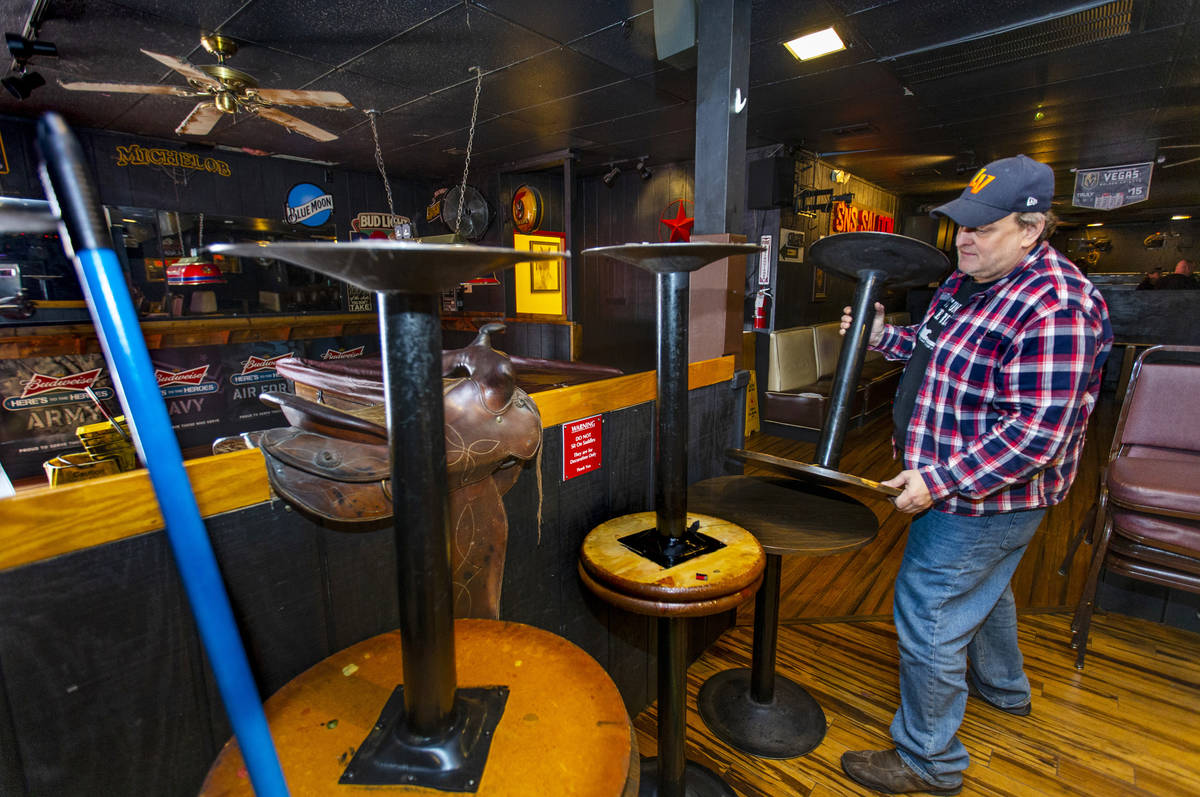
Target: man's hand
915, 496
876, 323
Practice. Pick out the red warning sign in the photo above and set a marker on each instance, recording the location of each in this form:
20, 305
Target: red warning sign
581, 446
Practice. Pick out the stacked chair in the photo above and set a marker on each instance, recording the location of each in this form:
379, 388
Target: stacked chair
1147, 524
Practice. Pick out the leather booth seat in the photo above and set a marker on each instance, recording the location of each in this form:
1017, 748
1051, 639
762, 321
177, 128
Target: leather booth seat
802, 362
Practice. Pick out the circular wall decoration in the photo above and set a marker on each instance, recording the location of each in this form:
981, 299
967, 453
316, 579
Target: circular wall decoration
527, 209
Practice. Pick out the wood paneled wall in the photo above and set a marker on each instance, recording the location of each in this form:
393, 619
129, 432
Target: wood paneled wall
617, 304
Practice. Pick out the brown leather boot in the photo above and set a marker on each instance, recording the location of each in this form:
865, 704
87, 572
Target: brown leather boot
885, 771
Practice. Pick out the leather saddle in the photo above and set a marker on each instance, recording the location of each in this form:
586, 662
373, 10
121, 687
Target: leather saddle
333, 464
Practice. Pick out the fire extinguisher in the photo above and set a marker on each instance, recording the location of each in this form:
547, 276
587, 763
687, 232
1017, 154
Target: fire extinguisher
760, 309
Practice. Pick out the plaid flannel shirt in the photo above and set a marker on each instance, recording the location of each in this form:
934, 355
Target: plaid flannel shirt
999, 420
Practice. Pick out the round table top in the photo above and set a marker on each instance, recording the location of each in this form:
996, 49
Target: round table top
665, 257
391, 266
706, 577
564, 722
787, 516
906, 262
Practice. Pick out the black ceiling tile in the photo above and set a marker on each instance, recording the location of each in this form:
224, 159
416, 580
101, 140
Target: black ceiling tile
628, 48
618, 100
772, 21
199, 16
639, 125
536, 83
439, 53
104, 42
677, 83
331, 33
579, 20
896, 28
429, 118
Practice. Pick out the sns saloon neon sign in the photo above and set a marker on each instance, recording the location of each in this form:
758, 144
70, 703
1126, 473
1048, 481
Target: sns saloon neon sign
847, 218
65, 389
135, 155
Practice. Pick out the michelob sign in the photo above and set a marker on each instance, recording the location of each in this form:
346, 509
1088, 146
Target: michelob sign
1112, 186
307, 204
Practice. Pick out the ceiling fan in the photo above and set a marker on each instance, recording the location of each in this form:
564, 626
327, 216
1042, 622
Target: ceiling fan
226, 90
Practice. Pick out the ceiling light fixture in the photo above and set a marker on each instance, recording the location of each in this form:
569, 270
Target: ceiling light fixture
23, 49
22, 84
814, 45
642, 171
1180, 218
611, 177
1096, 224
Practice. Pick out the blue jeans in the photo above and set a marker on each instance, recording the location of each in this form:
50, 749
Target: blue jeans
954, 603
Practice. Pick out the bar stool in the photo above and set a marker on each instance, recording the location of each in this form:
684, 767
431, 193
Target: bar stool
533, 712
754, 710
671, 564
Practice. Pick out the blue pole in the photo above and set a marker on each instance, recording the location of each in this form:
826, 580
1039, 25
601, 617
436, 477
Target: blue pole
73, 195
133, 375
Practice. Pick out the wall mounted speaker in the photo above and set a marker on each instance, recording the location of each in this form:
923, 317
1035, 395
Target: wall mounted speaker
675, 32
770, 183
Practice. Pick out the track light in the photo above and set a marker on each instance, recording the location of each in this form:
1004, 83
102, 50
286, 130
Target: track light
611, 177
23, 49
642, 171
23, 84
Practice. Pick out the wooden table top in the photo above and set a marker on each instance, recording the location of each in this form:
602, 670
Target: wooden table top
712, 575
787, 516
564, 729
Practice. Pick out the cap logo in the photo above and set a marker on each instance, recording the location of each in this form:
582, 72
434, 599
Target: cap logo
980, 180
1031, 202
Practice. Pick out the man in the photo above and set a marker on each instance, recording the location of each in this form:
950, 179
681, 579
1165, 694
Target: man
1180, 280
1150, 281
1002, 376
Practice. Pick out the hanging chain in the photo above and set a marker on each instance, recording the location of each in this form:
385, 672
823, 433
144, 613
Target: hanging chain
200, 235
387, 188
462, 190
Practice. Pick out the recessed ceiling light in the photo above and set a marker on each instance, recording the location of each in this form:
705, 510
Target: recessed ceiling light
1096, 224
815, 45
1179, 218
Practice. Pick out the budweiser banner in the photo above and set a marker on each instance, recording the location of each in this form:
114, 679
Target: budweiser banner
44, 400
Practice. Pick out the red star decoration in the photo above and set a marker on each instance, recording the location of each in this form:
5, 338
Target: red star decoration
681, 225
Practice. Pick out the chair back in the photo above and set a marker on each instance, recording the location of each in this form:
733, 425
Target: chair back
1161, 413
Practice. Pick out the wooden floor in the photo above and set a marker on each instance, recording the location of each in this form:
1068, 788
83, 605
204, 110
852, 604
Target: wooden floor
1129, 724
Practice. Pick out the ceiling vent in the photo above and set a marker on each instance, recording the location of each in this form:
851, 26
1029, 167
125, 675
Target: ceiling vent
856, 129
1107, 21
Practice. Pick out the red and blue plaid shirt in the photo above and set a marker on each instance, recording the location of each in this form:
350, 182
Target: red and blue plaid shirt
999, 419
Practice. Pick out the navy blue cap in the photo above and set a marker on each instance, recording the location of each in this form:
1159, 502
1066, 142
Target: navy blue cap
1009, 185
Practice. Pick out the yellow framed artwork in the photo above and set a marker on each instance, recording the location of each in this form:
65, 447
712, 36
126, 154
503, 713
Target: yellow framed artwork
539, 285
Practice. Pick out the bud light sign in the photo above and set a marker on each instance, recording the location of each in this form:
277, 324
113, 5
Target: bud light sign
307, 204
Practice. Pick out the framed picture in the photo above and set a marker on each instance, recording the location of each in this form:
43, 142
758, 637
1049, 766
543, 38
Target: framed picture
818, 287
791, 245
543, 274
539, 285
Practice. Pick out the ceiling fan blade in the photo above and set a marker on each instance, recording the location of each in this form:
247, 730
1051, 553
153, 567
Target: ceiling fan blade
320, 99
295, 125
184, 68
200, 121
129, 88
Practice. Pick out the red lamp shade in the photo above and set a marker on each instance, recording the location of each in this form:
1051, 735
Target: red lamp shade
191, 271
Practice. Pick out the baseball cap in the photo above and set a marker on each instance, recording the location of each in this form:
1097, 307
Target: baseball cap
1009, 185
